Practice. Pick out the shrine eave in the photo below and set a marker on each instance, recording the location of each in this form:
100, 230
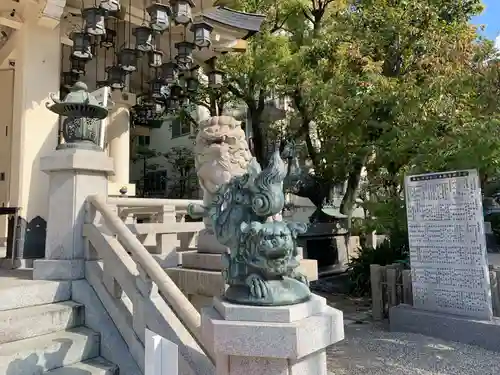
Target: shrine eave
251, 22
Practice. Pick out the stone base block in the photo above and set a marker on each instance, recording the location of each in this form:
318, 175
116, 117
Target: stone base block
482, 333
309, 267
203, 261
278, 340
270, 314
52, 269
207, 243
199, 301
206, 283
20, 264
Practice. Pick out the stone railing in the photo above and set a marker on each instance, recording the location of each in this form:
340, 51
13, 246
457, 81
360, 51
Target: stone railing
134, 288
159, 211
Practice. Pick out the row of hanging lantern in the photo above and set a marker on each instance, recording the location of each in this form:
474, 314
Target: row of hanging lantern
173, 81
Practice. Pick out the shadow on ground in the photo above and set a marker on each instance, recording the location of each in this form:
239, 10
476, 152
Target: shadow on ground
371, 350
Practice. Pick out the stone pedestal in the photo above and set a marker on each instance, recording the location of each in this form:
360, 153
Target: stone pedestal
284, 340
74, 175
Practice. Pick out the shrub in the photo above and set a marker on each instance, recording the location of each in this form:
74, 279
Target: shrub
392, 250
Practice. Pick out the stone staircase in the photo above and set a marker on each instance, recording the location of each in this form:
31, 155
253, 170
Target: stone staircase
43, 332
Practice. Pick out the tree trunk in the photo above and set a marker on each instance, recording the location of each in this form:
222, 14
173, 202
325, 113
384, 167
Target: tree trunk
259, 144
349, 199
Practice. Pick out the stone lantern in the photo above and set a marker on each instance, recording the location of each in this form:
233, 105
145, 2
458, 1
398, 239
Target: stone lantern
160, 17
143, 38
94, 21
181, 11
82, 112
201, 31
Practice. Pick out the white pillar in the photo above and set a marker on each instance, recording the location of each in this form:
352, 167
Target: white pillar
74, 175
35, 130
118, 136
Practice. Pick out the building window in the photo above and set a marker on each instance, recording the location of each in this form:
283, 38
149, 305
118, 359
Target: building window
144, 140
180, 128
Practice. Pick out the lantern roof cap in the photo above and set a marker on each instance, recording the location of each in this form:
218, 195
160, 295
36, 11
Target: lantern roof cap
78, 103
200, 23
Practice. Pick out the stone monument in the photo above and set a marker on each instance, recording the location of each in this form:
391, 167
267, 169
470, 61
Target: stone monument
268, 301
449, 266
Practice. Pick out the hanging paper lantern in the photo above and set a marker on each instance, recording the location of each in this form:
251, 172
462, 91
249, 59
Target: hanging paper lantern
94, 21
82, 49
215, 79
160, 17
108, 39
116, 77
182, 11
202, 31
143, 38
127, 59
169, 72
184, 52
155, 58
110, 5
77, 65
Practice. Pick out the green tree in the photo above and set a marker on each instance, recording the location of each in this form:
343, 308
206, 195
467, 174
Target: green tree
386, 84
182, 181
257, 75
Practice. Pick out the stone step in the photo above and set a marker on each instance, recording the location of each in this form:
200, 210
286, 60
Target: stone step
24, 293
203, 261
96, 366
193, 281
26, 322
35, 355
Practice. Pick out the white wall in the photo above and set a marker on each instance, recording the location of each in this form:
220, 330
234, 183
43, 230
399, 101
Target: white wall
6, 93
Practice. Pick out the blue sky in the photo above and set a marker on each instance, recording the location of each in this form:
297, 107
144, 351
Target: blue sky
490, 18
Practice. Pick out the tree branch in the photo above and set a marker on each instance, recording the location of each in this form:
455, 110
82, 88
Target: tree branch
235, 91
